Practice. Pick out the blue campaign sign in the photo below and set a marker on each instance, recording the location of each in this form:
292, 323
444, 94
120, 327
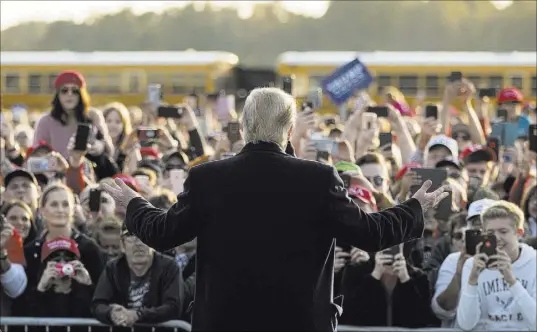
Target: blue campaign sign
346, 80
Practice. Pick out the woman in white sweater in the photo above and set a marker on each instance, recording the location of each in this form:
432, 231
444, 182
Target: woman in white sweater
500, 295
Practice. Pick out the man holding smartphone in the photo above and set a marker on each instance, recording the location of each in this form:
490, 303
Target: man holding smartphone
291, 215
499, 288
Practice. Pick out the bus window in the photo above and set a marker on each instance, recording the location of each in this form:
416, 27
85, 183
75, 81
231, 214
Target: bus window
431, 85
113, 83
134, 82
94, 83
382, 82
12, 83
34, 83
534, 86
496, 82
408, 85
51, 81
477, 81
196, 82
517, 82
159, 78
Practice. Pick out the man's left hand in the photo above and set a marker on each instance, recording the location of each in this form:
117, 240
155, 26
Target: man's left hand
400, 269
430, 200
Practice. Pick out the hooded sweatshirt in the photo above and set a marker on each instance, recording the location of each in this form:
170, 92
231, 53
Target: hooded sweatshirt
493, 305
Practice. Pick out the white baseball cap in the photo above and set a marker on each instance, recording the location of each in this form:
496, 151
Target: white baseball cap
477, 207
448, 142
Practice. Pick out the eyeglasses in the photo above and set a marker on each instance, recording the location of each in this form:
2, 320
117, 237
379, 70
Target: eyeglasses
376, 180
65, 90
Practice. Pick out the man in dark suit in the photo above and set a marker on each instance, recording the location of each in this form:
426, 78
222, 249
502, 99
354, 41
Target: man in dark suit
265, 223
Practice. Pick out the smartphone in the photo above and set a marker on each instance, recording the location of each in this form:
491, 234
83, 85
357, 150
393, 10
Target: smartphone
142, 180
177, 179
385, 139
82, 137
489, 92
170, 111
501, 114
314, 99
380, 111
346, 180
455, 76
39, 165
154, 94
489, 246
472, 239
369, 120
233, 132
431, 111
322, 156
14, 248
325, 144
287, 84
533, 137
147, 134
437, 175
494, 143
94, 200
444, 209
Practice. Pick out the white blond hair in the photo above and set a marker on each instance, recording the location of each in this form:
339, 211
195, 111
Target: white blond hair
268, 115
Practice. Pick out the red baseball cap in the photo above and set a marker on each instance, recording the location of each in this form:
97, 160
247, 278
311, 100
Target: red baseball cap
149, 152
59, 244
70, 77
363, 194
37, 146
510, 95
477, 153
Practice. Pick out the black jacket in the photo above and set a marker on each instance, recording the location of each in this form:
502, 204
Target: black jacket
281, 215
368, 304
77, 302
162, 302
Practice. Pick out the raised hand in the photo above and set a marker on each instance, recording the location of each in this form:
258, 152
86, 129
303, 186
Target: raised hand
430, 200
120, 192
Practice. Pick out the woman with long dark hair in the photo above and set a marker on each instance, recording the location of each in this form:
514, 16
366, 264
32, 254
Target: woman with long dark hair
71, 106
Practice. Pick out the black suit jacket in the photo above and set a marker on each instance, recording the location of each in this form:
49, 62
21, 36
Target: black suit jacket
266, 223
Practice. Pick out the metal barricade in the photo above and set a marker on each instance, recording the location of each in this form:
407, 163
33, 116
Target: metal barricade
348, 328
46, 323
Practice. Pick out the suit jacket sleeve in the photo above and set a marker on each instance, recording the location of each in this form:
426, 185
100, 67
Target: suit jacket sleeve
164, 230
371, 232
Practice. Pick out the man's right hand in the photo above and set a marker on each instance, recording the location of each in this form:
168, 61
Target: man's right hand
479, 264
117, 314
76, 158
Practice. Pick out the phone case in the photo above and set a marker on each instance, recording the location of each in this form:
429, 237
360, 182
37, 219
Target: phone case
82, 137
177, 179
95, 200
472, 239
15, 251
436, 175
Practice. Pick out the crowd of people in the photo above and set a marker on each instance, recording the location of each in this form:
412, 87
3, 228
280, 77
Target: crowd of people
64, 251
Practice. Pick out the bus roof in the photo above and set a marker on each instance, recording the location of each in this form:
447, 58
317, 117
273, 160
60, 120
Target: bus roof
179, 58
382, 58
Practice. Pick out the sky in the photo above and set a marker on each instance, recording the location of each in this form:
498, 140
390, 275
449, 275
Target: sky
15, 12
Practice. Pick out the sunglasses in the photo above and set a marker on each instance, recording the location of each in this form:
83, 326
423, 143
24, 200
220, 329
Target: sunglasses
457, 236
65, 90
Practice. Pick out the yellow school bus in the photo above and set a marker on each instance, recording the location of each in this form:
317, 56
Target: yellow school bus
414, 72
28, 77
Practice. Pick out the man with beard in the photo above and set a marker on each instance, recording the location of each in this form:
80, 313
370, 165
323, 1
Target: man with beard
140, 286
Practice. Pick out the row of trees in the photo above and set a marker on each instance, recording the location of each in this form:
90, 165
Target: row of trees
347, 25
